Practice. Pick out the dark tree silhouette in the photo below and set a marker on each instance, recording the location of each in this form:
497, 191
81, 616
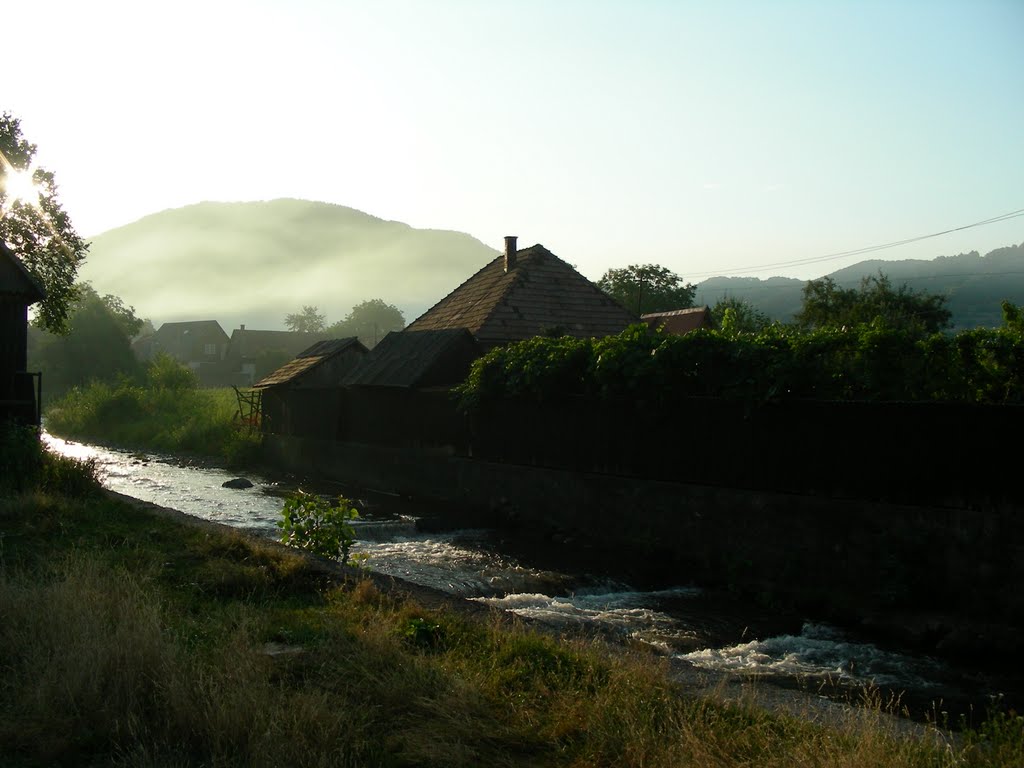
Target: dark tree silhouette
825, 305
647, 288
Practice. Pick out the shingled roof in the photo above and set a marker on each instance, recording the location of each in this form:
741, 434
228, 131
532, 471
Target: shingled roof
307, 360
538, 293
411, 359
15, 280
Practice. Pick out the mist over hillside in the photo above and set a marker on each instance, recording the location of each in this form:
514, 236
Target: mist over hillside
255, 262
975, 285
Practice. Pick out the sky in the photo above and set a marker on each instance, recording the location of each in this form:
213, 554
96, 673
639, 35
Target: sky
714, 138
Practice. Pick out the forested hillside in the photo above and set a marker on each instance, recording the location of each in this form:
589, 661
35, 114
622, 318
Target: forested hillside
255, 262
975, 285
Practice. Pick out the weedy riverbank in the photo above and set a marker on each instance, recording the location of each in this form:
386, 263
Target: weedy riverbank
166, 412
130, 637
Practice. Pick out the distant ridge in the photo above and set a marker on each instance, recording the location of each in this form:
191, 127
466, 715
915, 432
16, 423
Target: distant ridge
975, 285
255, 262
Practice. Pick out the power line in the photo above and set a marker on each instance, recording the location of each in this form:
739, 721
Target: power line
858, 251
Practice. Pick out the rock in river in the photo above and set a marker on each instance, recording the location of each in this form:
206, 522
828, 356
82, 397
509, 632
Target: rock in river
238, 482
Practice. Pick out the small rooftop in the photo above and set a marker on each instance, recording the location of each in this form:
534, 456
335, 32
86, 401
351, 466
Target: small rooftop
679, 321
307, 360
17, 281
416, 359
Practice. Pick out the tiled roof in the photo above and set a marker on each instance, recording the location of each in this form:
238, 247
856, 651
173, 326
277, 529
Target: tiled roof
307, 360
539, 294
177, 329
416, 359
15, 280
328, 347
679, 321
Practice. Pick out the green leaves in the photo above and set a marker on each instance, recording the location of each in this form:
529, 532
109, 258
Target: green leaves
642, 288
39, 231
313, 523
825, 304
651, 369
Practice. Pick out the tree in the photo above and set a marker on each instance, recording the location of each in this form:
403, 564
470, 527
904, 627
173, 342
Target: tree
1013, 317
309, 320
36, 227
647, 288
742, 317
826, 305
370, 320
96, 346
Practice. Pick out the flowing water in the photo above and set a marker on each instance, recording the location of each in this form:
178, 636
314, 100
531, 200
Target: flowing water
682, 622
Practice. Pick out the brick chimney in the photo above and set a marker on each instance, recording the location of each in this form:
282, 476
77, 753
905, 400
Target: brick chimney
510, 252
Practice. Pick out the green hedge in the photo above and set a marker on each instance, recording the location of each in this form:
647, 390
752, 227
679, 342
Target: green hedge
866, 362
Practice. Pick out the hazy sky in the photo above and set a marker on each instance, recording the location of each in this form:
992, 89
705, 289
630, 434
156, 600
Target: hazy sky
711, 137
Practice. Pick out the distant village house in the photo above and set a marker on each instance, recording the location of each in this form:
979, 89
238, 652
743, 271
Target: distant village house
679, 321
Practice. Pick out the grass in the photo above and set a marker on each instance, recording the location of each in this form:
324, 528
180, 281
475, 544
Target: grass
166, 413
128, 638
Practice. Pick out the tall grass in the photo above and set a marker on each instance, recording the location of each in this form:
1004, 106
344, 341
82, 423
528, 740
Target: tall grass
26, 466
127, 639
167, 412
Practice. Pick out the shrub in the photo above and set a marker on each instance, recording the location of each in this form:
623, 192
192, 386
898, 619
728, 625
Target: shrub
165, 372
314, 524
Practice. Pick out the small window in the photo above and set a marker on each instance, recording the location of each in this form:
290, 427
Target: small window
210, 349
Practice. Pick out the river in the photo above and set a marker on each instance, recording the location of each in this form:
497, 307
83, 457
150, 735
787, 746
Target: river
690, 626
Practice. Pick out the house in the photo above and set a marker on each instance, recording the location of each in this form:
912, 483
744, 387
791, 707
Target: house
400, 393
253, 355
198, 344
679, 321
417, 360
293, 395
20, 390
523, 294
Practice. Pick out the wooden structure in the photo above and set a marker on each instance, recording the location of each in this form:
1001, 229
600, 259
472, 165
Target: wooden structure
249, 408
20, 390
300, 396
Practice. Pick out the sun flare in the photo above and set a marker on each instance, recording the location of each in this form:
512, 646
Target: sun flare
20, 186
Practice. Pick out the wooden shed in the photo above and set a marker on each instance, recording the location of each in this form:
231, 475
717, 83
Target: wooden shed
301, 396
20, 390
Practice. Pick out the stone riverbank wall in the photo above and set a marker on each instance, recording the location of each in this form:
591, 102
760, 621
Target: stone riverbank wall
905, 518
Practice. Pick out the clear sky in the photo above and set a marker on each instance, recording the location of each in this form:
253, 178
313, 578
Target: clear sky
710, 137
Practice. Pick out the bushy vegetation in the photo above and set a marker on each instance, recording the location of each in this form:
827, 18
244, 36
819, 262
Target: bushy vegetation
317, 525
132, 639
165, 412
868, 361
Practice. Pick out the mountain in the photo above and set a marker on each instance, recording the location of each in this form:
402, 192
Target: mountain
975, 285
255, 262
